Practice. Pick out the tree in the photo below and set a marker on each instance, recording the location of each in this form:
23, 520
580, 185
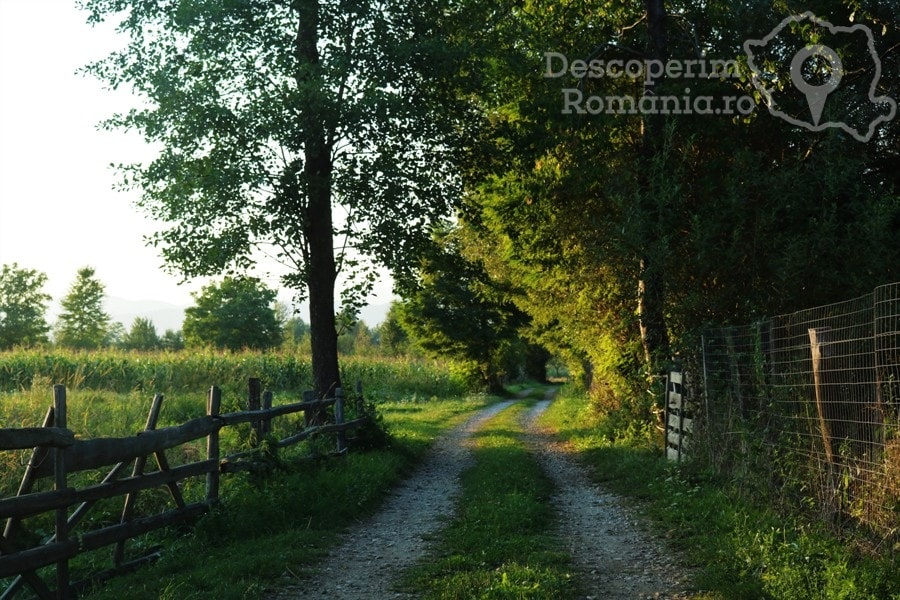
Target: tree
172, 340
296, 334
141, 336
456, 312
23, 305
237, 313
692, 218
83, 324
356, 339
115, 335
269, 114
392, 337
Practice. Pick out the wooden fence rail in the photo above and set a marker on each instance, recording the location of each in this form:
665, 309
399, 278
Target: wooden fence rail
56, 453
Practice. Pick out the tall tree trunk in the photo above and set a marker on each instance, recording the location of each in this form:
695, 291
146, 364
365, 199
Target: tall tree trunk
651, 285
319, 233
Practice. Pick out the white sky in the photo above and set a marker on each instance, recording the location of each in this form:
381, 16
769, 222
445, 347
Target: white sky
58, 211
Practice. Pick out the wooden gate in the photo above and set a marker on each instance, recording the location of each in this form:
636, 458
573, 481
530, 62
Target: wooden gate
678, 422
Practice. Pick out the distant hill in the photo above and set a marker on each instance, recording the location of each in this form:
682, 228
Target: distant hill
164, 315
374, 314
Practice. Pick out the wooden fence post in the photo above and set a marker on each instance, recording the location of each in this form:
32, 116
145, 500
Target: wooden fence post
676, 425
213, 408
138, 470
819, 340
254, 397
38, 455
62, 517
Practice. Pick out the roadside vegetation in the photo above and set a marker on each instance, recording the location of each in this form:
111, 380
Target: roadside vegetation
741, 546
270, 531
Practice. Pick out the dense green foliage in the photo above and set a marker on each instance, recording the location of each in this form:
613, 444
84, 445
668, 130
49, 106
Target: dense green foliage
454, 311
236, 313
141, 336
738, 215
83, 324
393, 337
23, 306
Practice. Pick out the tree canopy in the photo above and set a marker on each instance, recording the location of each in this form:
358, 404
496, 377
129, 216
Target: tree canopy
23, 306
456, 312
585, 215
270, 116
141, 336
237, 313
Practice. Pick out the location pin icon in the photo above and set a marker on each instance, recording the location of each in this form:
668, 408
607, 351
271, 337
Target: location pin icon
816, 94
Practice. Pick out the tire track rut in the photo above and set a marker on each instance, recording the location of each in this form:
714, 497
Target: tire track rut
613, 557
372, 555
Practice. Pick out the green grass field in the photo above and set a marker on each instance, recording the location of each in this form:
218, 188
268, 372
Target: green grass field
266, 525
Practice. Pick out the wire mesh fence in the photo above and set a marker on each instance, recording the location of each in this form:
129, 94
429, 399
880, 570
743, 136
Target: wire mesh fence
807, 405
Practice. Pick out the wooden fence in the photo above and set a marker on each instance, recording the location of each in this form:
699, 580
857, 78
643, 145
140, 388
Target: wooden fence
57, 454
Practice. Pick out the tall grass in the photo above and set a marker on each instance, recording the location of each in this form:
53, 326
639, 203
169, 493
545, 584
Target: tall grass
109, 392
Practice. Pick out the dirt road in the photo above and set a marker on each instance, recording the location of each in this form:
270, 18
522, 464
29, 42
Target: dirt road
614, 558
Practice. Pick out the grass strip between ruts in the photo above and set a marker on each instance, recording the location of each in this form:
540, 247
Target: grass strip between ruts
500, 544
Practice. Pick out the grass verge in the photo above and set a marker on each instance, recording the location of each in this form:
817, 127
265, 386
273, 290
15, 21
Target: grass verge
272, 527
740, 549
500, 544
